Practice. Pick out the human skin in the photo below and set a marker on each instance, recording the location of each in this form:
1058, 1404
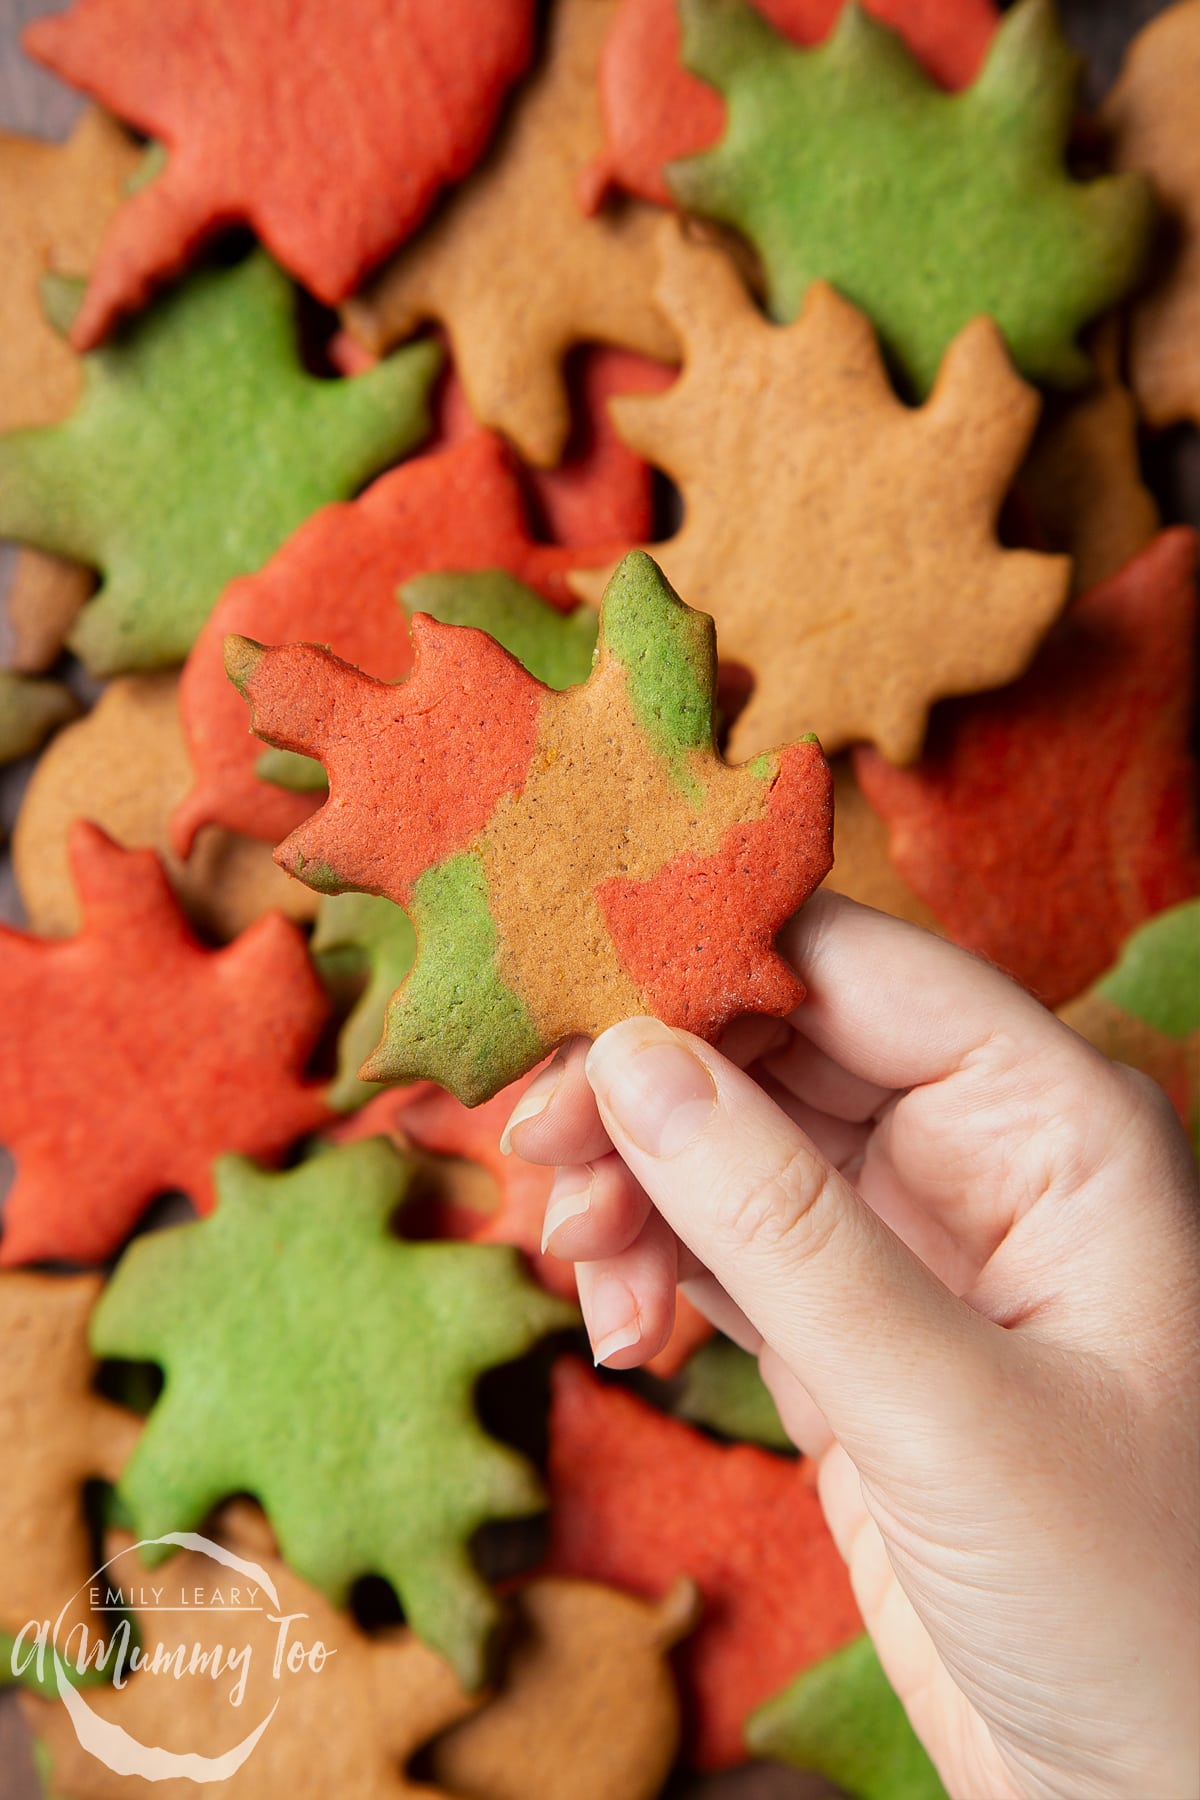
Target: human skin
966, 1248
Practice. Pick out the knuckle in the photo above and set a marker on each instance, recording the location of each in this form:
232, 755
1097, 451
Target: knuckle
793, 1210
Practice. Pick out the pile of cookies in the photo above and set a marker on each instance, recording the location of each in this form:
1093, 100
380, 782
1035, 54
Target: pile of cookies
498, 407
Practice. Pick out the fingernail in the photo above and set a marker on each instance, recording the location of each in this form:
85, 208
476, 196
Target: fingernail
613, 1319
534, 1100
570, 1197
658, 1091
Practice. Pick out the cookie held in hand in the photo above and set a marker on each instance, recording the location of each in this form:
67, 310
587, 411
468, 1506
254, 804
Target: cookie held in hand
568, 859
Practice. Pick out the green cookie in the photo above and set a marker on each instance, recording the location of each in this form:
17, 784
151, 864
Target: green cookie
1157, 975
847, 163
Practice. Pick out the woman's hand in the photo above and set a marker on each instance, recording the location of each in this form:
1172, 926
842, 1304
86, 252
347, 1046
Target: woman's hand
967, 1250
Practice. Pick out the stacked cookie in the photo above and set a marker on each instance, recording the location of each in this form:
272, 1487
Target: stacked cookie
556, 434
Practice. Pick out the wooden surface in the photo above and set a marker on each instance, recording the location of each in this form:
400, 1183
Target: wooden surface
32, 101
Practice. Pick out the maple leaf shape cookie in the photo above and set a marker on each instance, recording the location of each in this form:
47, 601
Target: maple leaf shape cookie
248, 101
843, 1720
384, 1438
637, 1499
1151, 118
843, 542
58, 1434
950, 206
512, 267
347, 1727
124, 766
655, 111
199, 444
336, 582
568, 859
131, 1055
1046, 821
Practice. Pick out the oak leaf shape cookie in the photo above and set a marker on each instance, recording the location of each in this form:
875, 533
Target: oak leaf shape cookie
199, 444
655, 111
1150, 116
249, 101
369, 1461
124, 767
844, 543
568, 859
348, 1727
638, 1498
951, 205
588, 1710
58, 1434
511, 266
336, 582
1050, 819
842, 1719
131, 1055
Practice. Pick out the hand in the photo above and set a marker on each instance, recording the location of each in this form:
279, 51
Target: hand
966, 1249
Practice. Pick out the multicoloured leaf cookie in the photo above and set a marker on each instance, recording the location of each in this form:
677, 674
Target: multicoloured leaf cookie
1150, 117
842, 1719
30, 709
655, 111
511, 266
1050, 819
131, 1055
124, 767
58, 1434
249, 100
368, 1462
567, 859
844, 543
348, 1725
847, 164
588, 1710
638, 1499
199, 444
336, 582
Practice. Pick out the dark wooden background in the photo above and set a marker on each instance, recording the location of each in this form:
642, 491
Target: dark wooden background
32, 101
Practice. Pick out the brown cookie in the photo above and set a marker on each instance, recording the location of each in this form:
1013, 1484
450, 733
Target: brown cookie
125, 767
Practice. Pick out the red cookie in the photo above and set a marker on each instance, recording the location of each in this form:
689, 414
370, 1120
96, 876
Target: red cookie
1049, 819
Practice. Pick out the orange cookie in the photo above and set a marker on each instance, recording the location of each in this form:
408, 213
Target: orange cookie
125, 767
512, 267
843, 542
1151, 117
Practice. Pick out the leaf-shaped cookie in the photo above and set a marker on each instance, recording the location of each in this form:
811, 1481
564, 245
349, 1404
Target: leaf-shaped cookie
655, 111
131, 1055
124, 767
723, 1390
199, 444
844, 543
842, 1718
567, 859
336, 582
1151, 118
346, 1726
380, 938
948, 206
1050, 819
57, 1434
367, 1462
512, 267
638, 1498
249, 101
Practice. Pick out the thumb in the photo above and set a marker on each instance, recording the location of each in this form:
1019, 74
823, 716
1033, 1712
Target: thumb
886, 1351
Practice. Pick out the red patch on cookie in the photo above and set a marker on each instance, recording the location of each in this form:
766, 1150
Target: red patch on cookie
327, 129
335, 582
637, 1499
655, 111
1048, 820
132, 1055
682, 936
